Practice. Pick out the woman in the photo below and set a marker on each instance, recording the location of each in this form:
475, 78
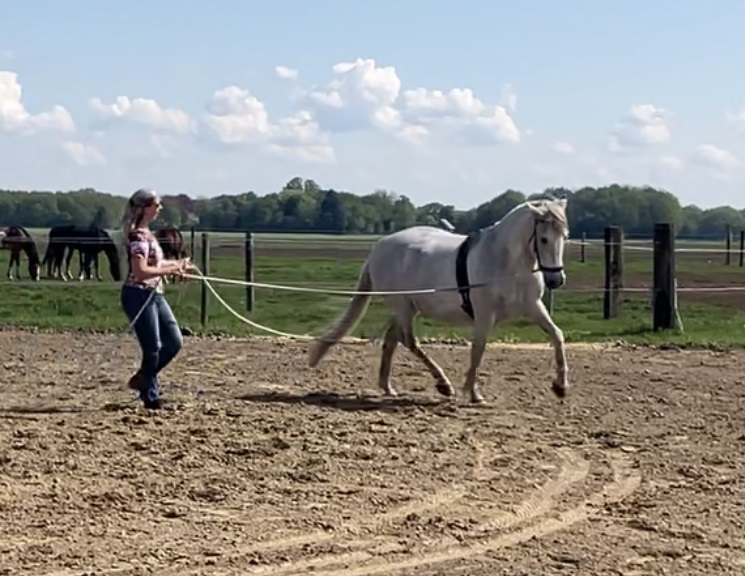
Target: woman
142, 293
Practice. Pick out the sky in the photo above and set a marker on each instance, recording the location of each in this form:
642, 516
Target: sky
437, 100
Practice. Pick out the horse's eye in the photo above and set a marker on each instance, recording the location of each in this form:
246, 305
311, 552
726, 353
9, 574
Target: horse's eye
544, 240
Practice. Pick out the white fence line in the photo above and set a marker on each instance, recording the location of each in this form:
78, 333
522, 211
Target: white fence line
333, 292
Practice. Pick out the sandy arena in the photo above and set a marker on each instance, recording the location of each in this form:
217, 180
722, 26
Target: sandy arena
272, 468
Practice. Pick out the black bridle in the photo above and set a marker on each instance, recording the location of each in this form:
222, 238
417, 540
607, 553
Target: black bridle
541, 267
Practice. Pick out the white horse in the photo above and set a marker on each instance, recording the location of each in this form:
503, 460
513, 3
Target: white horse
507, 266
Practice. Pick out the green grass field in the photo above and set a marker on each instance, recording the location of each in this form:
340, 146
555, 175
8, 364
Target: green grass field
334, 262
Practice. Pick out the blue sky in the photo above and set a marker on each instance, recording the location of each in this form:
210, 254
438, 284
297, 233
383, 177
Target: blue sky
439, 100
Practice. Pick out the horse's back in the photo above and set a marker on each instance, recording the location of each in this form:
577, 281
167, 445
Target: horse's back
423, 239
415, 258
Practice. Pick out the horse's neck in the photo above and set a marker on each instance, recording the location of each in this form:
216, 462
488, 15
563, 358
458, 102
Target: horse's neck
506, 246
30, 250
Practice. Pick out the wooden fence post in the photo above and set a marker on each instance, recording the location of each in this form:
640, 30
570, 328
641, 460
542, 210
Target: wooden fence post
192, 234
206, 271
613, 240
248, 255
664, 296
582, 254
728, 246
742, 248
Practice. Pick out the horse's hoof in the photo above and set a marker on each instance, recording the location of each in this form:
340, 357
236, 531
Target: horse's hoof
478, 400
390, 392
559, 389
445, 389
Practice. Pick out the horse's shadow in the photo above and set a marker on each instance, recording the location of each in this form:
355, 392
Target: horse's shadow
29, 411
343, 402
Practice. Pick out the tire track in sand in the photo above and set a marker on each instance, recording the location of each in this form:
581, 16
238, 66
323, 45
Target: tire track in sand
574, 469
625, 481
441, 498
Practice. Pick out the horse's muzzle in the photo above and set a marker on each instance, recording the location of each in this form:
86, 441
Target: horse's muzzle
554, 279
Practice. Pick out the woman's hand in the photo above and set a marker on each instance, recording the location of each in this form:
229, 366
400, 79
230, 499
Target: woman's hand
184, 266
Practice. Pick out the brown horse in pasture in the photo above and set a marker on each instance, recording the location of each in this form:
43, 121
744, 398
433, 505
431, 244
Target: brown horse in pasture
17, 240
172, 243
89, 242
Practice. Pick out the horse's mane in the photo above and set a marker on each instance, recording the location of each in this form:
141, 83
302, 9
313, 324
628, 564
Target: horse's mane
555, 211
552, 210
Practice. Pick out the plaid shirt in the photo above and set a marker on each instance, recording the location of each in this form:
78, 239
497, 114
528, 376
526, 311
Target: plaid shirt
143, 243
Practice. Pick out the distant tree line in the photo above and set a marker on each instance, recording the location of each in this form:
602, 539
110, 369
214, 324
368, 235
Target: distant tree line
303, 206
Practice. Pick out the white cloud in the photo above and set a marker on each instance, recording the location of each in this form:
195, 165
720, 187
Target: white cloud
714, 158
563, 148
460, 113
301, 136
285, 73
362, 94
144, 111
644, 125
15, 118
83, 154
235, 116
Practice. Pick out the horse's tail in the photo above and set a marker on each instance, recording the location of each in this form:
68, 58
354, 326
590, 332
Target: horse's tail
346, 322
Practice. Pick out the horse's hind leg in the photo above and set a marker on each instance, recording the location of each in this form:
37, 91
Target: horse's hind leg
95, 265
14, 259
409, 340
390, 341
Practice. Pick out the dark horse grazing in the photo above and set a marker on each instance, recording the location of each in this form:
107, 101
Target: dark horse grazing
17, 240
172, 242
88, 242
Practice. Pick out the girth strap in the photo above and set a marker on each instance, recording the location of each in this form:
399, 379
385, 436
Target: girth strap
461, 275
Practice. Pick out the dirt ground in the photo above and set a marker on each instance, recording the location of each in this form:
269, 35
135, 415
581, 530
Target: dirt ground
272, 468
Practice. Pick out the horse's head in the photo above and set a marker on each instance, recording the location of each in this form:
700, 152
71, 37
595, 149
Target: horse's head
112, 253
34, 270
549, 231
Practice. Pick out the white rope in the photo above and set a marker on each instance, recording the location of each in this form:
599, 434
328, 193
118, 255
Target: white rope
131, 326
290, 288
327, 291
240, 317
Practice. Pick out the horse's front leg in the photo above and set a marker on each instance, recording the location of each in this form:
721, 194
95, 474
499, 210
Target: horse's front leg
17, 263
481, 329
543, 319
66, 274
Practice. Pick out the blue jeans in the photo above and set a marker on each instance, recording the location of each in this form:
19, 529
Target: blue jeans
157, 332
